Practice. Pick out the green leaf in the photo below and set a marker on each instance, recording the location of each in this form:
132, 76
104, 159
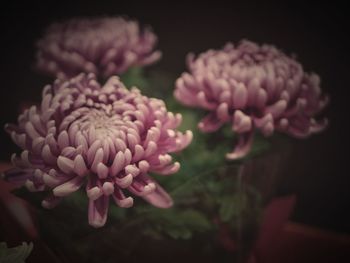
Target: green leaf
117, 213
176, 223
134, 77
16, 254
228, 208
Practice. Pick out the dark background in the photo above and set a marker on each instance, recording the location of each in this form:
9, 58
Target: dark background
318, 171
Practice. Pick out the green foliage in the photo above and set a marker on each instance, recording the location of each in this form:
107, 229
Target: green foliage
175, 223
135, 77
228, 208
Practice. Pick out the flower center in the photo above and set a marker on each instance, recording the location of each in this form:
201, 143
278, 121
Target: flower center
102, 123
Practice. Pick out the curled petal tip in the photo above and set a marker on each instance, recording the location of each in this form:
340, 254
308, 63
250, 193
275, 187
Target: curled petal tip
210, 123
50, 202
242, 148
98, 210
86, 133
126, 203
253, 87
68, 187
319, 126
94, 193
101, 55
159, 198
97, 223
189, 136
108, 188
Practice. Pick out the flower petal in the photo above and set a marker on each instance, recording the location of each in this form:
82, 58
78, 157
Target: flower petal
159, 197
98, 210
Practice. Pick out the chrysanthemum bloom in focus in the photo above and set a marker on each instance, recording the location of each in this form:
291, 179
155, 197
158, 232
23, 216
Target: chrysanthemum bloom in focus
107, 137
252, 87
104, 46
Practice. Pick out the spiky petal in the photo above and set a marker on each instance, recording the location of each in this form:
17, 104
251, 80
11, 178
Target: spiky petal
107, 138
252, 87
104, 46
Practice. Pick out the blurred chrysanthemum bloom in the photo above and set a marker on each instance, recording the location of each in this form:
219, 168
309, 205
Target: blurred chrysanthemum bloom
252, 87
104, 46
109, 138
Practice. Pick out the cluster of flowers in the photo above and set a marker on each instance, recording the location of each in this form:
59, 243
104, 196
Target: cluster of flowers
109, 138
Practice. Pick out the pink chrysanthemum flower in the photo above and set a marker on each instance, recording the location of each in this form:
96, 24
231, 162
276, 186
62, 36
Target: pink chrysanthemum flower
109, 137
104, 46
252, 87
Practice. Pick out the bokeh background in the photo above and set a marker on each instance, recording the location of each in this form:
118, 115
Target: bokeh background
317, 34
